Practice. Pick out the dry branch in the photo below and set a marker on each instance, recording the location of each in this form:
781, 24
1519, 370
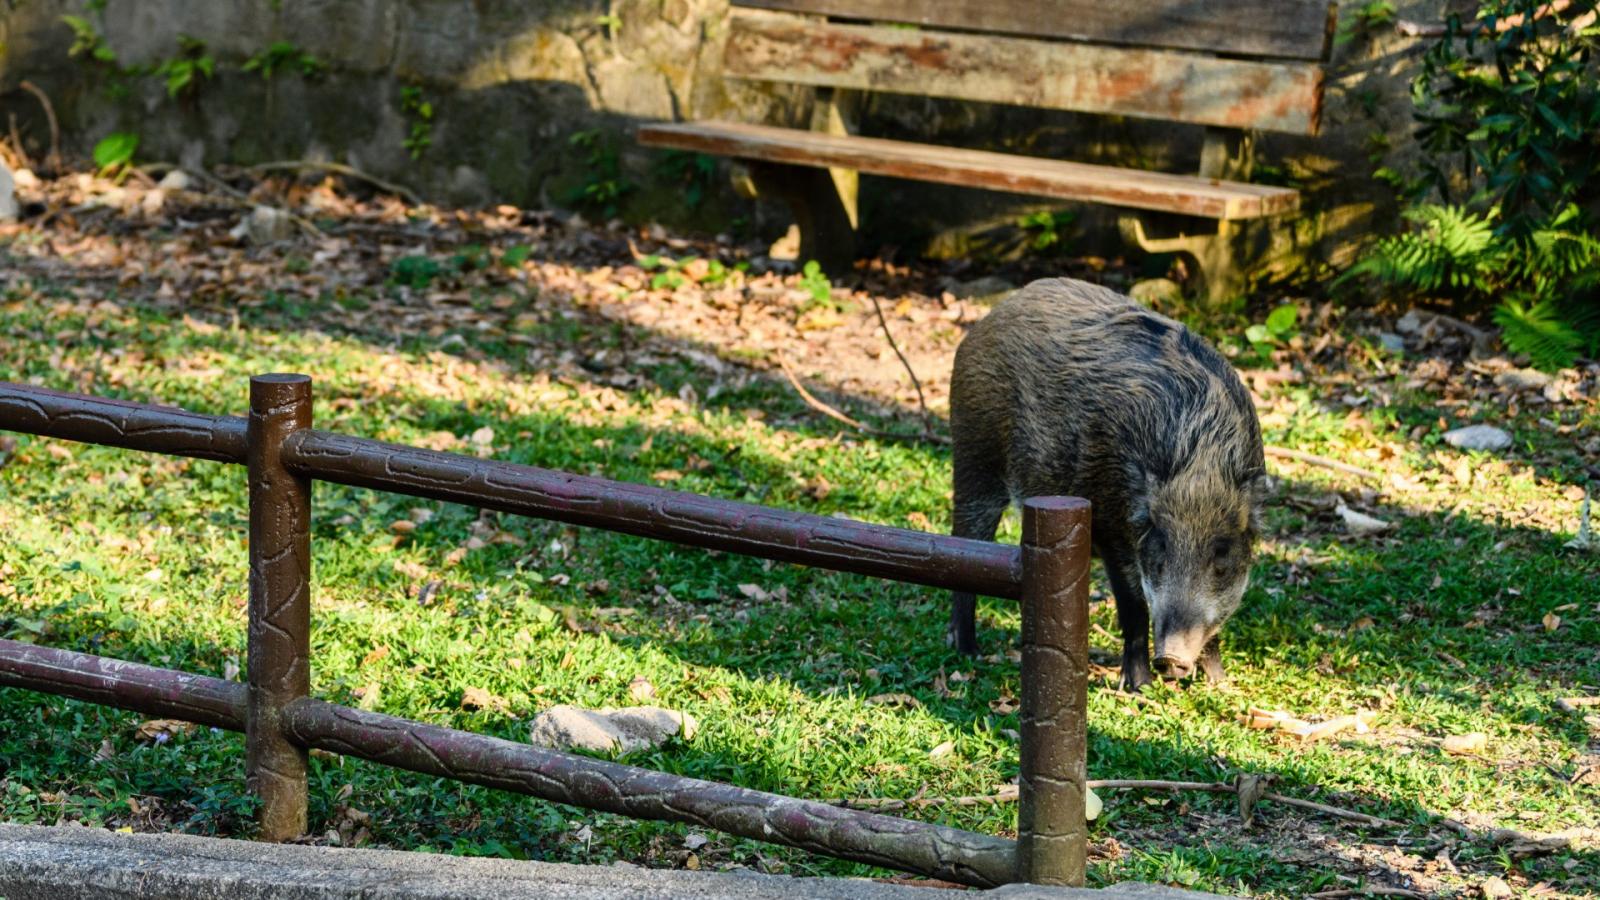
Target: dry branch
922, 401
302, 165
53, 161
1573, 704
1325, 462
1009, 795
830, 412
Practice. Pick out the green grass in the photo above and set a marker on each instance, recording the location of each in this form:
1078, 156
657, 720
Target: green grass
143, 558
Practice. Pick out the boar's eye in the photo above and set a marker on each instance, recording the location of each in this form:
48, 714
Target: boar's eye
1221, 551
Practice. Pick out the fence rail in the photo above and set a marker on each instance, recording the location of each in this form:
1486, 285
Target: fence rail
283, 455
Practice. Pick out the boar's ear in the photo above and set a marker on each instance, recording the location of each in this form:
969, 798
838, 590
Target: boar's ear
1257, 487
1141, 484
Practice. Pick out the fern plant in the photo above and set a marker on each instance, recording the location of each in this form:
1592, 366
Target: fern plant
1507, 106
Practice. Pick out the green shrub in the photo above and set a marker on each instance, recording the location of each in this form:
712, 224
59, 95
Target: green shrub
1507, 106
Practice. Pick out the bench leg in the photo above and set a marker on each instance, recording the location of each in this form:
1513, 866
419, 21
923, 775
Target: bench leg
1215, 253
827, 234
1223, 252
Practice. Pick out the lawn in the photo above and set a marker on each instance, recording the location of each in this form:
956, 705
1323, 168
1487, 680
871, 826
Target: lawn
1468, 615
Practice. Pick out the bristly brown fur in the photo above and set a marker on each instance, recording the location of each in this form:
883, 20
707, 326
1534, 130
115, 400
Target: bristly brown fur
1071, 389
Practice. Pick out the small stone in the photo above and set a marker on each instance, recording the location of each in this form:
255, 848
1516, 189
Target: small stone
176, 180
1495, 887
9, 209
1392, 343
1522, 379
265, 225
1156, 293
988, 289
1410, 323
627, 729
1478, 437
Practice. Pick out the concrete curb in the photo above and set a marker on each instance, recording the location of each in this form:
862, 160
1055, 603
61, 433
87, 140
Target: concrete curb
77, 863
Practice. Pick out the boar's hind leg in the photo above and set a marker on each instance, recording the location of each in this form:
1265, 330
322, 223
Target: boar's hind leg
1211, 661
1133, 617
980, 500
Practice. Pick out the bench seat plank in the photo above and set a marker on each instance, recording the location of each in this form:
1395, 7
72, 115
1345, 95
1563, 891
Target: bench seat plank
1184, 194
1156, 84
1286, 29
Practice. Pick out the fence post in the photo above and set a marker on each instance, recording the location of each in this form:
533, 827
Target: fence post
1052, 834
280, 602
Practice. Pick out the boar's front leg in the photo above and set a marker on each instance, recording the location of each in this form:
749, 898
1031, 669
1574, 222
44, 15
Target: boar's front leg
1133, 617
980, 499
1211, 661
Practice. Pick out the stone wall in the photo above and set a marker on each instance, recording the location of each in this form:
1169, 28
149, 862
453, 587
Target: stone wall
513, 82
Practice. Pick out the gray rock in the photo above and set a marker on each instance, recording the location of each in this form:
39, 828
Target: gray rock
988, 289
1410, 323
1392, 343
1478, 437
1156, 292
9, 210
1522, 379
265, 225
77, 863
627, 729
176, 180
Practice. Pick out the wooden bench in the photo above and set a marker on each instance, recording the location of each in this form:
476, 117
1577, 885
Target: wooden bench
1234, 68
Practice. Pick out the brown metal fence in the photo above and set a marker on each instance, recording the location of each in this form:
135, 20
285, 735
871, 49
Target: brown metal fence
282, 454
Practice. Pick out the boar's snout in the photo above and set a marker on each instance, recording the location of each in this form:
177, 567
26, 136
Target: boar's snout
1178, 651
1174, 669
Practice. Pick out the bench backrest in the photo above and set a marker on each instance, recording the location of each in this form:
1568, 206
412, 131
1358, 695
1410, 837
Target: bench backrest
1232, 63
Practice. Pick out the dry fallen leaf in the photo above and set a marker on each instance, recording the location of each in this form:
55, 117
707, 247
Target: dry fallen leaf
640, 689
1360, 524
378, 652
478, 698
402, 526
1004, 705
667, 475
903, 701
159, 731
1551, 621
943, 750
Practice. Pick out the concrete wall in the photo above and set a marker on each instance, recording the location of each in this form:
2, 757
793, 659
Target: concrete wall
512, 81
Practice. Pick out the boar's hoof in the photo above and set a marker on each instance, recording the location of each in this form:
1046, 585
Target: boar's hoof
1173, 669
1135, 679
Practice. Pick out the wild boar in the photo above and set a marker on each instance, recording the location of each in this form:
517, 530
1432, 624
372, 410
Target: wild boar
1067, 388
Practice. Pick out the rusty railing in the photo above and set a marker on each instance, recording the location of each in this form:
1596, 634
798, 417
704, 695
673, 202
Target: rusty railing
282, 454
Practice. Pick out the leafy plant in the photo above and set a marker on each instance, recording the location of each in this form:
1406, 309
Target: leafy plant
1365, 19
87, 42
695, 171
184, 72
420, 111
815, 282
115, 150
605, 186
1507, 106
281, 55
1279, 329
1045, 228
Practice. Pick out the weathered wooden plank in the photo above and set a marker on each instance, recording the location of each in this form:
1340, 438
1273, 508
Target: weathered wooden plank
1189, 195
1288, 29
1155, 84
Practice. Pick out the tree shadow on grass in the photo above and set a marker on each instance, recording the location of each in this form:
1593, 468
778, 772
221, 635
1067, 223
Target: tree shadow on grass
836, 638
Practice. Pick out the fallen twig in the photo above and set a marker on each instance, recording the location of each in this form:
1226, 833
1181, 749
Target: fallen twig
1433, 29
339, 169
1005, 795
927, 419
233, 195
1325, 462
1224, 788
832, 413
1009, 795
53, 161
1365, 892
1573, 704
